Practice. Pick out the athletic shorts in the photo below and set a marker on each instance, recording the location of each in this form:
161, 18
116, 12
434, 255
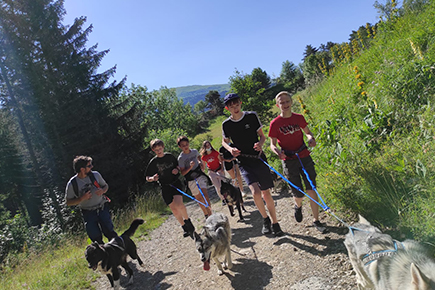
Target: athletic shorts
202, 181
168, 191
229, 165
293, 171
256, 171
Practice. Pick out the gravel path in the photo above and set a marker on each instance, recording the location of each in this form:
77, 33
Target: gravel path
301, 259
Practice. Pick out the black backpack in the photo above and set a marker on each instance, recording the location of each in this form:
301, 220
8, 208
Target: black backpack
76, 186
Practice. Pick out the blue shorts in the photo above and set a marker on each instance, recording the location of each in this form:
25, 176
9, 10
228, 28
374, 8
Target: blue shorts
293, 171
257, 171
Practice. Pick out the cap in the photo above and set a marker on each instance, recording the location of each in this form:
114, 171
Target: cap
230, 97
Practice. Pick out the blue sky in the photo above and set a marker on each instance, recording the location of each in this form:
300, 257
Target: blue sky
177, 43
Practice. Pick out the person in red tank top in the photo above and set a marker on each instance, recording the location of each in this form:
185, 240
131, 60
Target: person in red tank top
212, 159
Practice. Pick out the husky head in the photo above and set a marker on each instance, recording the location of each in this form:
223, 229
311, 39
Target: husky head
228, 192
204, 247
410, 267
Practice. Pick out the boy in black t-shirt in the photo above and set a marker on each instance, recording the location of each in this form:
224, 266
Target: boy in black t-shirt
164, 169
244, 129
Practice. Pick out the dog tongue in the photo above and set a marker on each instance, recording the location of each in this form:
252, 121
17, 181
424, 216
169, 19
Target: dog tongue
206, 266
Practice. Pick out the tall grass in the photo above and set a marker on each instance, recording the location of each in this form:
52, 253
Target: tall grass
374, 122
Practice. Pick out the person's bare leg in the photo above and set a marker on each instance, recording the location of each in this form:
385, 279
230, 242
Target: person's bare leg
314, 206
270, 203
178, 209
258, 200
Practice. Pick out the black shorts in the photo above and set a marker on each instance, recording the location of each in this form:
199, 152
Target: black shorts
229, 165
293, 171
257, 171
168, 191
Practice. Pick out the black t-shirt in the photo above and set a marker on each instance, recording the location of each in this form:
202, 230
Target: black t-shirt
243, 132
163, 166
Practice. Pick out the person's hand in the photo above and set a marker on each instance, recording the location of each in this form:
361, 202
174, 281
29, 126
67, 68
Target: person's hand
99, 191
235, 152
192, 163
312, 142
87, 195
258, 146
155, 177
175, 171
282, 155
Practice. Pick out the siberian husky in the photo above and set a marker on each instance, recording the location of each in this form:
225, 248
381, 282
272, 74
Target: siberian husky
383, 263
214, 241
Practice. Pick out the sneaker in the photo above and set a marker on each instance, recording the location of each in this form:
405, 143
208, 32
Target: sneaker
224, 203
266, 226
186, 231
298, 213
244, 194
276, 230
319, 226
189, 228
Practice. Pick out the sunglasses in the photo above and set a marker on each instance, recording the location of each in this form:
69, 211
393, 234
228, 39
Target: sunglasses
89, 166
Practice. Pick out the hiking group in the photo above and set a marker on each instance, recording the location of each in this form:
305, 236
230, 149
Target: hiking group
241, 155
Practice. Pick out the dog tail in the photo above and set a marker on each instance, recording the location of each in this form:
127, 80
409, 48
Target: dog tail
133, 227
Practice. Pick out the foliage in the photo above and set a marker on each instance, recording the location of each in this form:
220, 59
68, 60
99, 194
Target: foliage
375, 135
251, 88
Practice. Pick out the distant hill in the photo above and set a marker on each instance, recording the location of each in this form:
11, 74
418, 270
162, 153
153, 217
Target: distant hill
195, 93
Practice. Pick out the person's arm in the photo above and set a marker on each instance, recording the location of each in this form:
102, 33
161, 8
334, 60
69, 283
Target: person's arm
186, 170
275, 149
259, 145
233, 150
75, 200
310, 137
155, 177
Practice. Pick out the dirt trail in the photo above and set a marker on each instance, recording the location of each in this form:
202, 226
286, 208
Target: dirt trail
301, 259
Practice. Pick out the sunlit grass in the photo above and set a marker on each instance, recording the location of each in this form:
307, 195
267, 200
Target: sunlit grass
65, 267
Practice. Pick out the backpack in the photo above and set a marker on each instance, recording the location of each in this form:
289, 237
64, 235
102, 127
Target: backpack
76, 186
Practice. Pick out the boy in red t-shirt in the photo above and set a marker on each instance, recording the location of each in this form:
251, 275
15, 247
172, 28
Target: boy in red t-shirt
287, 130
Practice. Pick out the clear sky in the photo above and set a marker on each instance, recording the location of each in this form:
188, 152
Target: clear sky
177, 43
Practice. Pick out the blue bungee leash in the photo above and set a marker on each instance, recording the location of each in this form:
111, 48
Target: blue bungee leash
201, 193
191, 197
323, 206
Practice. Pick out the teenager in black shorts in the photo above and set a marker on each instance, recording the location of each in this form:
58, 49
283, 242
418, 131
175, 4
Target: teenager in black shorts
164, 169
244, 130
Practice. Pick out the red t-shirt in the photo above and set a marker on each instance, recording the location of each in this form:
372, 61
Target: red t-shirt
212, 160
289, 133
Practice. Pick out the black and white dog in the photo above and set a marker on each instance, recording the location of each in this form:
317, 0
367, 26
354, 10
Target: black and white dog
108, 257
233, 197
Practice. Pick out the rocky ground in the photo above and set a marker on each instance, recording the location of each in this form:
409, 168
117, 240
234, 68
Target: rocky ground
303, 258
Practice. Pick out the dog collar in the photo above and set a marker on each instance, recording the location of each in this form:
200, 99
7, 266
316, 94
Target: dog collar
373, 256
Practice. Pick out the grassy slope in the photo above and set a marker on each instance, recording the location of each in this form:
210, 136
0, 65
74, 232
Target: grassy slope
373, 154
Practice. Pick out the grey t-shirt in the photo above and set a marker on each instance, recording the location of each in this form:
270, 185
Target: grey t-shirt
85, 184
184, 159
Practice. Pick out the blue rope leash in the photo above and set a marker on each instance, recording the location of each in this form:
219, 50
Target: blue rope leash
323, 206
191, 197
310, 181
201, 193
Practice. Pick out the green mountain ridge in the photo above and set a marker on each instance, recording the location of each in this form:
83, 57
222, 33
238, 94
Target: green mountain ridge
195, 93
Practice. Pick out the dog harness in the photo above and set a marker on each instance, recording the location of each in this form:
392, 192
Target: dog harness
112, 243
373, 256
